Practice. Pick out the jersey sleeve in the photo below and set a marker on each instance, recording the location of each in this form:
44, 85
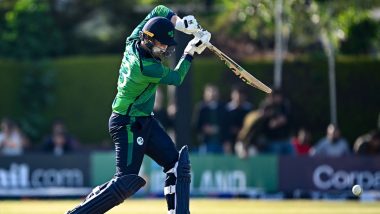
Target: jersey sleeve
159, 73
160, 10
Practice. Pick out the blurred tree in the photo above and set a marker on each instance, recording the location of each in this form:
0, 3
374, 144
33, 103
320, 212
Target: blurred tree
30, 36
28, 32
362, 38
303, 20
95, 26
244, 26
332, 20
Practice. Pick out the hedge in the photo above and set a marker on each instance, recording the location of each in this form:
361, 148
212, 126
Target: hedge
85, 87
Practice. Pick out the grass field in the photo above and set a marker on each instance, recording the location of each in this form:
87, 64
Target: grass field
200, 206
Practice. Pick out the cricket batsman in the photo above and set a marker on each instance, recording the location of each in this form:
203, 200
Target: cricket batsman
132, 125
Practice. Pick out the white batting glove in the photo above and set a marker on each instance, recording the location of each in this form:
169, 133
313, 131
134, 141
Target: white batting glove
199, 43
187, 24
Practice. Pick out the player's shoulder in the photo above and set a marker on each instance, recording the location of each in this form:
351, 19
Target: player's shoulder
131, 56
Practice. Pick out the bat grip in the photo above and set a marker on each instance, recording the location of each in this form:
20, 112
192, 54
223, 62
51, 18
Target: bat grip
199, 34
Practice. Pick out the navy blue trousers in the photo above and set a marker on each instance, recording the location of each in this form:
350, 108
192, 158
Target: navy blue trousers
135, 136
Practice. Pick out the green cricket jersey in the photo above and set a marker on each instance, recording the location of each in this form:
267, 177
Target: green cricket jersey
140, 73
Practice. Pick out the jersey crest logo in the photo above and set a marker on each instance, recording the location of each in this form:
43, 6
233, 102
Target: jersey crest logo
140, 141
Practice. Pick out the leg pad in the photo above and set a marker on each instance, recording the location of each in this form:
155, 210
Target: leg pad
183, 182
110, 195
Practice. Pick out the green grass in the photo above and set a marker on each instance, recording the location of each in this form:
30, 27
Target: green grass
200, 206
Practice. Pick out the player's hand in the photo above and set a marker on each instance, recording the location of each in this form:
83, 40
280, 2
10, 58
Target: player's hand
199, 43
187, 24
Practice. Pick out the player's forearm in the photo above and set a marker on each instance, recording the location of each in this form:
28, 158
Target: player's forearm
183, 66
177, 76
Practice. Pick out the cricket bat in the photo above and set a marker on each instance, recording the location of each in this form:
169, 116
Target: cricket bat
238, 70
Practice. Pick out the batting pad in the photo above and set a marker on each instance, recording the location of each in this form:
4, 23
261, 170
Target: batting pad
116, 191
183, 182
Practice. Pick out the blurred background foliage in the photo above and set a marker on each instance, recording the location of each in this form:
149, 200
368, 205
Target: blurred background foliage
28, 31
84, 103
37, 28
39, 35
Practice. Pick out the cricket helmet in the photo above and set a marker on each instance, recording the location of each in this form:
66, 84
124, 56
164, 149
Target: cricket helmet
160, 29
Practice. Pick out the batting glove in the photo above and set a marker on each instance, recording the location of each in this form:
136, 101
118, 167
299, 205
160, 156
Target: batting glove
187, 24
199, 43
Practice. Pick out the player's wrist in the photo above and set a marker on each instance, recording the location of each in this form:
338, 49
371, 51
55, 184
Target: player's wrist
188, 57
189, 52
174, 20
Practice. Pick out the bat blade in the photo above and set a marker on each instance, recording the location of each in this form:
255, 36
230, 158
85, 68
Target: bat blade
239, 71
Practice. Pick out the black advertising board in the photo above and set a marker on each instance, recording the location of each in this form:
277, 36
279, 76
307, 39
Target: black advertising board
328, 174
44, 171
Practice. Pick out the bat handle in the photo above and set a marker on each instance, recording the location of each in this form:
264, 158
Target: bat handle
208, 44
199, 35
